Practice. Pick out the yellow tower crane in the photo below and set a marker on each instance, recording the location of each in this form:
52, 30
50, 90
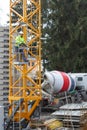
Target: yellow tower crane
25, 77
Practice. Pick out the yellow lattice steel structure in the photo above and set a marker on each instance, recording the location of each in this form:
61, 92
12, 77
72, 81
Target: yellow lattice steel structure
25, 78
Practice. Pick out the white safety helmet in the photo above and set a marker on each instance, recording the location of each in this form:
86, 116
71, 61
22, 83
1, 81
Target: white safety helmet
21, 32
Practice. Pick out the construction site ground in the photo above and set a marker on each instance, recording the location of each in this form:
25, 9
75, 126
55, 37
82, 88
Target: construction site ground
50, 120
47, 122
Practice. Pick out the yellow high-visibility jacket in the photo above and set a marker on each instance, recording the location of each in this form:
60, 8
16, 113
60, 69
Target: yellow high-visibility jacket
19, 40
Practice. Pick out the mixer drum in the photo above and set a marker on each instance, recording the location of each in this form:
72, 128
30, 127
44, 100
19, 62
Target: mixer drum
60, 81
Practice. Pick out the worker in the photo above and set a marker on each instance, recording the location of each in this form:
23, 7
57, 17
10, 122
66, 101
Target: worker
20, 45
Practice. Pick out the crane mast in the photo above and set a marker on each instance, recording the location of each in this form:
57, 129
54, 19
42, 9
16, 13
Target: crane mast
25, 77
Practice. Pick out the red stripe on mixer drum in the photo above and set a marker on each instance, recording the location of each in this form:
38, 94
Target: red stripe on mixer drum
65, 83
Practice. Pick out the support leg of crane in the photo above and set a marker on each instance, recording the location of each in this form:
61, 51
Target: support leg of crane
13, 113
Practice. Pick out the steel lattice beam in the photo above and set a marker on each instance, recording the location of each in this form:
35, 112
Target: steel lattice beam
25, 15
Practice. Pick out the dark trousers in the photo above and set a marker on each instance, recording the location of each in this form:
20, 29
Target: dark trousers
19, 51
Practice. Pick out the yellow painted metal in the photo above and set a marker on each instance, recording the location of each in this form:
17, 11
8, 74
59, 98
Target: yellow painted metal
25, 78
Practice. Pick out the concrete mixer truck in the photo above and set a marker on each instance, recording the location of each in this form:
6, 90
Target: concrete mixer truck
67, 87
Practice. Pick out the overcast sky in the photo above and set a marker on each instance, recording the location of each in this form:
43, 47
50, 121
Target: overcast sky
4, 10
